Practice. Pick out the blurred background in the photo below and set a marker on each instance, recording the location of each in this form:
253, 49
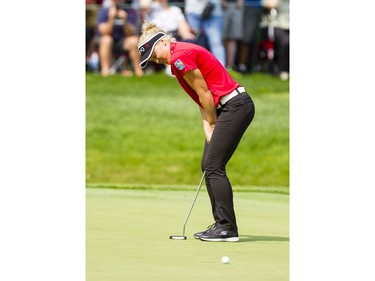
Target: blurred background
247, 36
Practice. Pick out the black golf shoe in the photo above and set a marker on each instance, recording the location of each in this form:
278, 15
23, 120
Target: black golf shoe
199, 234
220, 235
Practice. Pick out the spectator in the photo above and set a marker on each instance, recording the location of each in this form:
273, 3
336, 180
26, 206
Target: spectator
170, 18
92, 7
233, 29
211, 23
117, 30
251, 19
280, 23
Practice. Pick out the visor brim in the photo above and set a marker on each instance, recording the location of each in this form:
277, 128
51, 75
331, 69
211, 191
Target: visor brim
148, 47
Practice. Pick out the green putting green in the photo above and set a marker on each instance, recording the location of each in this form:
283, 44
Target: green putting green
127, 237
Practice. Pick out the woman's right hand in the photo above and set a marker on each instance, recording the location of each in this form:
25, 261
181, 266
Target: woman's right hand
208, 131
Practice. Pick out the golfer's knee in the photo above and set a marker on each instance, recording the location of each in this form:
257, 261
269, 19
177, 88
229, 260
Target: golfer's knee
212, 168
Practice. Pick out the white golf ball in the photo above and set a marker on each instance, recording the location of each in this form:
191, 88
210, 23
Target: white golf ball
225, 259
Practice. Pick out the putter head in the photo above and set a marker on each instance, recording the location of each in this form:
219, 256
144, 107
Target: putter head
177, 237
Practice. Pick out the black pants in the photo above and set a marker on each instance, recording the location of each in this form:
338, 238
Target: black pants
233, 119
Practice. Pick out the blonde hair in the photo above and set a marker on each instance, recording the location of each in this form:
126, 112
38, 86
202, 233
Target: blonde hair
150, 29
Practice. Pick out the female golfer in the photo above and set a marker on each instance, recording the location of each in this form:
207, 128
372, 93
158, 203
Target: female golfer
226, 109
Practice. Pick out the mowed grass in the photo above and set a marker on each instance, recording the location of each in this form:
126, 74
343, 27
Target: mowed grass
148, 131
128, 233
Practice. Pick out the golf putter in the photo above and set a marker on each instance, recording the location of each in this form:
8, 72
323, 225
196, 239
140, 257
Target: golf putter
183, 237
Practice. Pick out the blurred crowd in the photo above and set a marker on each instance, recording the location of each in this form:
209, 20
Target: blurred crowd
246, 36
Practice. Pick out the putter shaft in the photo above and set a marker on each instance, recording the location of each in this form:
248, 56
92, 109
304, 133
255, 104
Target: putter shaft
192, 205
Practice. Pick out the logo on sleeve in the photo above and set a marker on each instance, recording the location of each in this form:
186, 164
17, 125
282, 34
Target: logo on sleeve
179, 64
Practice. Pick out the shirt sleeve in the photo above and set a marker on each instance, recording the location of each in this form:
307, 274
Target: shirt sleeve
185, 62
132, 16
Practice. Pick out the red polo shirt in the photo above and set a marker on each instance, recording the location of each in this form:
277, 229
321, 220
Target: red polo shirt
187, 56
